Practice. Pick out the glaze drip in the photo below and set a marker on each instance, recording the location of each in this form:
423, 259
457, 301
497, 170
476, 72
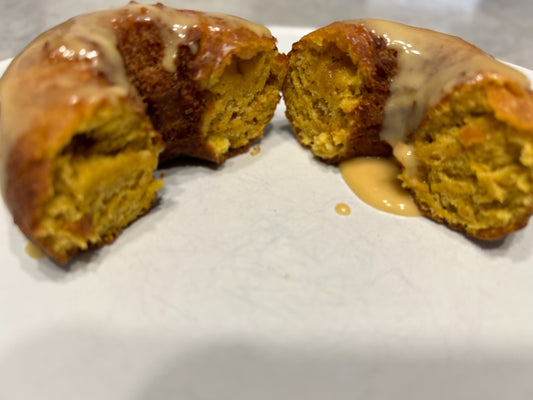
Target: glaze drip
430, 64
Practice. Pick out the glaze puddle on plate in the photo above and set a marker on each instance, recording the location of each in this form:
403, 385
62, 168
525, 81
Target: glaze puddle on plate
343, 209
33, 251
375, 181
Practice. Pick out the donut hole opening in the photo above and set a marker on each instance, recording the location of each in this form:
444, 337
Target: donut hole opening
102, 180
243, 102
482, 179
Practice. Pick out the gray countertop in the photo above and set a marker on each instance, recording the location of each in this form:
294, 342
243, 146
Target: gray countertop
500, 27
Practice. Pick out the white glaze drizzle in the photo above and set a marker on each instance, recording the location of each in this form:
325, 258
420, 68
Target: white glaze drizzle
430, 64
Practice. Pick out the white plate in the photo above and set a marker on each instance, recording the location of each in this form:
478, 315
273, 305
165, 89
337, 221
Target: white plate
244, 283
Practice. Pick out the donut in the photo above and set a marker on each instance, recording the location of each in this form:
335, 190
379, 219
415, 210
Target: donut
90, 108
458, 122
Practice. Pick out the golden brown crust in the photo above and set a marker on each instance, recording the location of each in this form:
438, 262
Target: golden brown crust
500, 149
28, 168
205, 52
29, 177
463, 121
369, 55
162, 91
150, 61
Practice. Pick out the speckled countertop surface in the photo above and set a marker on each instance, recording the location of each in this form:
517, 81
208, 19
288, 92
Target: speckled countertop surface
500, 27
